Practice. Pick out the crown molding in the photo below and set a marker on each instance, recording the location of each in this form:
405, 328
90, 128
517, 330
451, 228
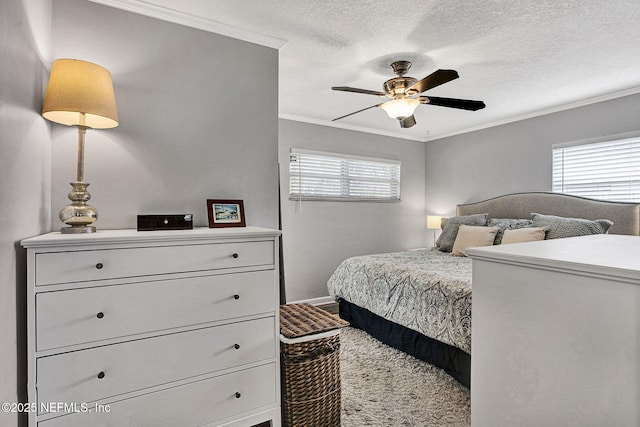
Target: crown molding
142, 7
551, 110
582, 103
332, 124
146, 8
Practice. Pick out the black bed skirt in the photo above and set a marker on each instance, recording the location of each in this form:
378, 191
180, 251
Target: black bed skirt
452, 360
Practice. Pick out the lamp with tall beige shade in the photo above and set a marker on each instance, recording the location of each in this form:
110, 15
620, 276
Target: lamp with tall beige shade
80, 94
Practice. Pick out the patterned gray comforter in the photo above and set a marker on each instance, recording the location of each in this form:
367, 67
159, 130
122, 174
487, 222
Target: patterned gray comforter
426, 290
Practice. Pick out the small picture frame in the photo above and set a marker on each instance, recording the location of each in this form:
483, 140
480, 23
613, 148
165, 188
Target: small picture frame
226, 213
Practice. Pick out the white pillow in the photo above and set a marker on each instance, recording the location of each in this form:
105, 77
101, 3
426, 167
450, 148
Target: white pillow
520, 235
472, 236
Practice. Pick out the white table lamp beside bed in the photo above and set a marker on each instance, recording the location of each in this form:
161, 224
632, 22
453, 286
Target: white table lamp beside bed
433, 223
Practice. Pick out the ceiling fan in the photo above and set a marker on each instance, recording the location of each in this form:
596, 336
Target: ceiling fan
405, 93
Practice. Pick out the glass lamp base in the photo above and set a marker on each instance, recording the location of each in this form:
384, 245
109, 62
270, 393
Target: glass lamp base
78, 215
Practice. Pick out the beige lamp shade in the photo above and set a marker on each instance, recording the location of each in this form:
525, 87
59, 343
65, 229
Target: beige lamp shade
434, 221
80, 93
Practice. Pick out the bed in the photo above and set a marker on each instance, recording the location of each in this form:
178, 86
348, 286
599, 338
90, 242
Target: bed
419, 301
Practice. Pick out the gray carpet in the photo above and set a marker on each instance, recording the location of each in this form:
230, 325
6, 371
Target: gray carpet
385, 387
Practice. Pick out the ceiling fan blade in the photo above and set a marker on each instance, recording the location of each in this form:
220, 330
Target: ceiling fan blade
434, 79
356, 90
355, 112
407, 122
463, 104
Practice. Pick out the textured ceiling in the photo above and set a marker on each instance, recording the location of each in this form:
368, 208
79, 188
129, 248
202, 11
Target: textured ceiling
521, 57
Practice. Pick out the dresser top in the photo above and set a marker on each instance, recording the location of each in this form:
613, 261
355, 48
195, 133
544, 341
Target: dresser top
134, 236
608, 254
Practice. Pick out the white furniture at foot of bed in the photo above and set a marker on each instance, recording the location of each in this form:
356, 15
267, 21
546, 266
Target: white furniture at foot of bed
556, 333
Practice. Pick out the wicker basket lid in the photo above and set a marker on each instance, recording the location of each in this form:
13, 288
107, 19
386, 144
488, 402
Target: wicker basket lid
299, 320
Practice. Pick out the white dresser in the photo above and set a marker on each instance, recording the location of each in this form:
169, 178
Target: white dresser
556, 333
154, 328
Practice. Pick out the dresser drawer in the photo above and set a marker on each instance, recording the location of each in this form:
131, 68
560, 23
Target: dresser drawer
85, 315
80, 266
135, 365
193, 404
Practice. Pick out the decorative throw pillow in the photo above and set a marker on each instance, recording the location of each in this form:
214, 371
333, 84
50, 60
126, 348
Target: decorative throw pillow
470, 236
450, 229
560, 227
520, 235
507, 224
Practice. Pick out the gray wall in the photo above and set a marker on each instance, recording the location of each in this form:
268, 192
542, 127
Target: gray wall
198, 119
516, 156
317, 236
24, 166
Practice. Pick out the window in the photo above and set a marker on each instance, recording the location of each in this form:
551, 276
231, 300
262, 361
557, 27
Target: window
608, 170
315, 175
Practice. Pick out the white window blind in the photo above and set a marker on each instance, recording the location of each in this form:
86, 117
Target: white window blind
315, 175
607, 170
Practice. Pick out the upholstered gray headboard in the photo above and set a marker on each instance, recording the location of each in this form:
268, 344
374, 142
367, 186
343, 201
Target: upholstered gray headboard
625, 216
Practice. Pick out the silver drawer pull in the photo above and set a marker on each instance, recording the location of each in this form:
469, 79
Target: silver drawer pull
101, 375
100, 315
236, 346
99, 266
235, 255
238, 395
236, 296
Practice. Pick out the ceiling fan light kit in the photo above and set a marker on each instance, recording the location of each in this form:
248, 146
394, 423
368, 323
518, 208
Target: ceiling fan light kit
400, 108
404, 93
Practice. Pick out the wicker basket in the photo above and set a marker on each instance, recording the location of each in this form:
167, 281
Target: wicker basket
310, 356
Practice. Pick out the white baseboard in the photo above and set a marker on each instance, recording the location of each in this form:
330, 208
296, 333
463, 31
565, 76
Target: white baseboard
314, 301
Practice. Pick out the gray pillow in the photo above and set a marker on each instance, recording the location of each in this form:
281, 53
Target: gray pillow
507, 224
450, 228
560, 227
